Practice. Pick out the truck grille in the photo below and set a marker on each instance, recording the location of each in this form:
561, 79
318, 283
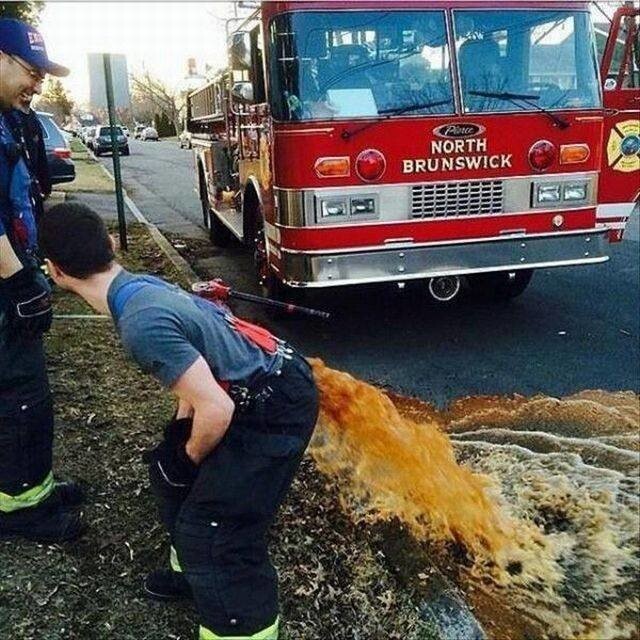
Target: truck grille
452, 199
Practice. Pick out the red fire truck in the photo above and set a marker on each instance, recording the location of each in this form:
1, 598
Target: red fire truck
449, 141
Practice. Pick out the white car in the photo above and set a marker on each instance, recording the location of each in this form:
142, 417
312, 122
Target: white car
149, 134
125, 130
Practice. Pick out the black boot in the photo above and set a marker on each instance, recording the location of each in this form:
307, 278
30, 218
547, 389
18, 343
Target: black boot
48, 522
69, 493
165, 585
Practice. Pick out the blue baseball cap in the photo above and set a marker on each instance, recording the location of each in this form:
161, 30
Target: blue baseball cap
21, 39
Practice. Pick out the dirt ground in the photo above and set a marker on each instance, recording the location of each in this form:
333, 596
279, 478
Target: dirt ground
336, 582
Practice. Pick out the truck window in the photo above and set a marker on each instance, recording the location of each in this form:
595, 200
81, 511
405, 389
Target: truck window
631, 61
331, 65
548, 55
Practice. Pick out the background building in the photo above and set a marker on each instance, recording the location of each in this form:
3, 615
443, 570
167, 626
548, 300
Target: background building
97, 89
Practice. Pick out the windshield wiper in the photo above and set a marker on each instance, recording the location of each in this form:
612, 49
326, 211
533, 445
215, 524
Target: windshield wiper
395, 111
527, 99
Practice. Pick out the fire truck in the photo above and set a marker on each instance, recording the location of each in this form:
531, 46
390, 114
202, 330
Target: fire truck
458, 143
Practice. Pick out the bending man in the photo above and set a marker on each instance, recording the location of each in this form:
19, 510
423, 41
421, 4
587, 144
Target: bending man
247, 405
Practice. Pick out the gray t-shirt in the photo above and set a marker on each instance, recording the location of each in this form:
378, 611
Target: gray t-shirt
164, 329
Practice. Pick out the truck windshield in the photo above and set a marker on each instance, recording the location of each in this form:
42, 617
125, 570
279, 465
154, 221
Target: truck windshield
350, 64
546, 54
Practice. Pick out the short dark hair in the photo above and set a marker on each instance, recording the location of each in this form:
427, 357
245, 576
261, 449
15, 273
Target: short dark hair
74, 237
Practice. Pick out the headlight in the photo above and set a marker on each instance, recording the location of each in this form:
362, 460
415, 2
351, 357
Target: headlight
363, 206
548, 193
333, 208
574, 192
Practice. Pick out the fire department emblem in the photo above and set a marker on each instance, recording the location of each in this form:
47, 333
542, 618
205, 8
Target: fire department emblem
623, 148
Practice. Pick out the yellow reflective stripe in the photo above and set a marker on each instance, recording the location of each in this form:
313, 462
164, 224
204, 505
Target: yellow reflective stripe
173, 560
270, 633
29, 498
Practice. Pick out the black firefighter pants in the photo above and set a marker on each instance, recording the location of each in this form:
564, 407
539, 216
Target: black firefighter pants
26, 413
219, 525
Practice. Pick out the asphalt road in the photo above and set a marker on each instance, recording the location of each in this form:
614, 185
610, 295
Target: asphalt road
160, 179
573, 329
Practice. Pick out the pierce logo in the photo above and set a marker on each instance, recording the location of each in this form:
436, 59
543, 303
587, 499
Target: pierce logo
461, 130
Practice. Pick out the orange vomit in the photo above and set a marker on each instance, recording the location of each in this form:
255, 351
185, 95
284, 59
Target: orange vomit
541, 492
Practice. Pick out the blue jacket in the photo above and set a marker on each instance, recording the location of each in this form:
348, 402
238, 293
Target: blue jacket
17, 216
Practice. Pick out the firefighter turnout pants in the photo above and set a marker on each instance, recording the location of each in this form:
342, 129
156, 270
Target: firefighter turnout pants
26, 420
218, 525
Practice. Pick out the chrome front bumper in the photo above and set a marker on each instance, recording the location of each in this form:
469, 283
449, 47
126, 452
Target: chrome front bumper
402, 262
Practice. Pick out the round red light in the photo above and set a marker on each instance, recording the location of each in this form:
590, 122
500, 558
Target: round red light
370, 165
542, 155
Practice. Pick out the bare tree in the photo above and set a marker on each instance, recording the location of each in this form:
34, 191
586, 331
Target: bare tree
151, 92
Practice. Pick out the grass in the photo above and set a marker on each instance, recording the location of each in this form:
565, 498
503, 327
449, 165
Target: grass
90, 176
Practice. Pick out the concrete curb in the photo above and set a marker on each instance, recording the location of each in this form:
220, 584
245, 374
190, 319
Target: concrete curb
165, 246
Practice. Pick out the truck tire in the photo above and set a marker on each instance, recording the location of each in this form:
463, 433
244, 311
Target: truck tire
219, 235
500, 286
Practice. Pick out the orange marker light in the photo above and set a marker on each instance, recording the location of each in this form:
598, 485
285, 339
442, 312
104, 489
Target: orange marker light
333, 167
574, 153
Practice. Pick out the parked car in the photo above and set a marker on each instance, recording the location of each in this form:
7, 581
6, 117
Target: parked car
149, 133
184, 140
61, 166
137, 132
125, 130
102, 140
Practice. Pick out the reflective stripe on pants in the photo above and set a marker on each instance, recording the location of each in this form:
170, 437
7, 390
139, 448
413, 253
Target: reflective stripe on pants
270, 633
30, 498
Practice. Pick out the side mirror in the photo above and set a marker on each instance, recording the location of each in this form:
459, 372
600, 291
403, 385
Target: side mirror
242, 91
240, 50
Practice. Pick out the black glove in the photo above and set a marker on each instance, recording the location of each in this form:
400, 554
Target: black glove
31, 297
171, 455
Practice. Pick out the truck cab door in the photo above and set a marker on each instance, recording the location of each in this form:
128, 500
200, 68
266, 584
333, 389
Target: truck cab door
619, 186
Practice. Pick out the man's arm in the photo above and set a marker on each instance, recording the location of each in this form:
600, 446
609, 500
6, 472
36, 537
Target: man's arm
212, 407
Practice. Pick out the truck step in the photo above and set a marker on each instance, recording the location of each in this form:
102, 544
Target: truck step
231, 218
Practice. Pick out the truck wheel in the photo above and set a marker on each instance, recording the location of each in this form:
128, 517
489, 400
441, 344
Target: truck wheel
204, 199
500, 286
219, 235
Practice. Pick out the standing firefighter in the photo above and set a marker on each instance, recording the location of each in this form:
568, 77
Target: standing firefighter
247, 405
32, 504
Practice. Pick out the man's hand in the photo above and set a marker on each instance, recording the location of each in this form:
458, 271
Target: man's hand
212, 407
31, 297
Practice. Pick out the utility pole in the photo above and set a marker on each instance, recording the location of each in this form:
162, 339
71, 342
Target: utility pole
122, 223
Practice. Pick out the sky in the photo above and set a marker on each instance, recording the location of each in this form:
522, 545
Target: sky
155, 36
